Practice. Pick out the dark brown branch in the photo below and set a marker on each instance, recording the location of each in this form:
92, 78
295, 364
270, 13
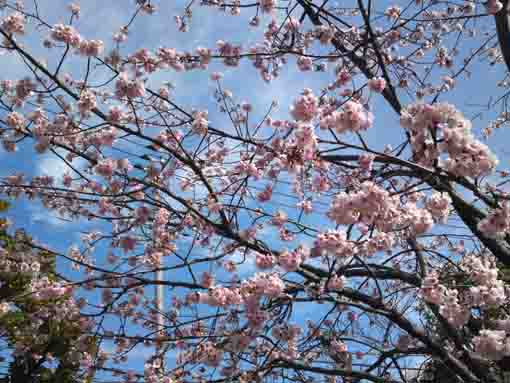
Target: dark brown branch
360, 62
502, 19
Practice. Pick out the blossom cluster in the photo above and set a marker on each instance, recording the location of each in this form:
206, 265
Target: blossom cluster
67, 34
488, 290
146, 215
44, 289
306, 107
14, 24
209, 354
496, 222
124, 87
249, 294
21, 262
42, 301
353, 117
200, 123
455, 304
334, 242
434, 292
494, 6
377, 84
492, 344
370, 204
291, 260
438, 205
87, 103
441, 129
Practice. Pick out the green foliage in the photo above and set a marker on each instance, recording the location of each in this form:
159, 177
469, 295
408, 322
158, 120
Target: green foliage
58, 337
4, 205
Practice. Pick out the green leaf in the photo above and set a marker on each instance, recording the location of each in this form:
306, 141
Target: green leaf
4, 205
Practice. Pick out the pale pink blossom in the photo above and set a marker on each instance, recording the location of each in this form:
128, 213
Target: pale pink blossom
91, 48
200, 123
305, 108
14, 24
377, 84
66, 34
267, 6
494, 6
87, 103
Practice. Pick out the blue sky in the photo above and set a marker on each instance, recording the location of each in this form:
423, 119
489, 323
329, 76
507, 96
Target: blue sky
99, 19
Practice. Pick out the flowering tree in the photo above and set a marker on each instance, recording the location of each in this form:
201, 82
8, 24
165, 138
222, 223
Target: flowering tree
28, 316
291, 243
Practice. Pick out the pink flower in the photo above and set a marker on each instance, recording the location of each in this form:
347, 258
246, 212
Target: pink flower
279, 218
290, 261
66, 34
14, 24
343, 77
306, 206
353, 118
87, 102
127, 243
335, 243
377, 84
129, 88
439, 206
336, 282
264, 261
124, 165
494, 6
304, 64
216, 76
266, 194
116, 114
200, 123
320, 184
207, 279
91, 48
325, 34
497, 221
106, 167
366, 161
107, 137
466, 155
75, 9
420, 220
431, 290
337, 347
492, 344
305, 108
267, 6
15, 120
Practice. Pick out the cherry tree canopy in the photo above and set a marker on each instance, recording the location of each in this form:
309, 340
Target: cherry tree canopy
257, 191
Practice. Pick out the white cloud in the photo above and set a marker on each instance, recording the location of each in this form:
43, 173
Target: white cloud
42, 215
52, 165
245, 264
